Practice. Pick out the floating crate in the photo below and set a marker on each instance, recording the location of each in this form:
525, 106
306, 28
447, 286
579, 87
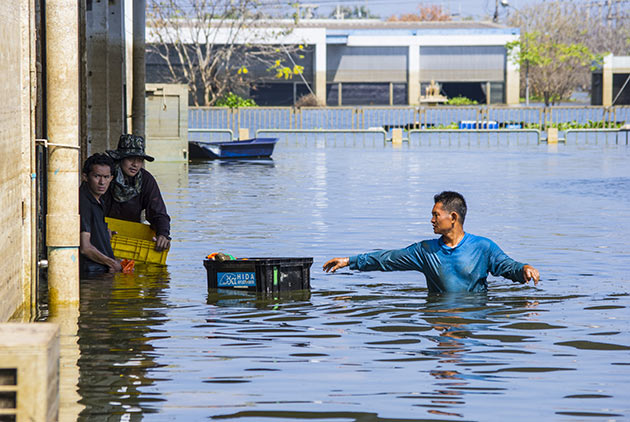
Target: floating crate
29, 372
135, 241
267, 275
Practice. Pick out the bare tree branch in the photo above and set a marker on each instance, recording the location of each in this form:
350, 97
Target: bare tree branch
208, 44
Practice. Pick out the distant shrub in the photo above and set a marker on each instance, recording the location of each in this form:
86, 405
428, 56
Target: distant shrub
308, 100
234, 101
457, 101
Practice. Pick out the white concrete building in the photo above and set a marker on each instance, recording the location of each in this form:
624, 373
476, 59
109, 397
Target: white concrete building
365, 62
611, 82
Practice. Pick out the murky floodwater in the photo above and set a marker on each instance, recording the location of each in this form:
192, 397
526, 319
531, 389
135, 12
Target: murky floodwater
157, 346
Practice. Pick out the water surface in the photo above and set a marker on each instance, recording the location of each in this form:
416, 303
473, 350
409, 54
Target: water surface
158, 346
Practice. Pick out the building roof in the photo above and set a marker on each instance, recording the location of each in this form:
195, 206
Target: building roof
380, 24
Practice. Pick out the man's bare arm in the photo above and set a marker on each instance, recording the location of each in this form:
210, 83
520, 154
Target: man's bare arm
531, 273
335, 264
86, 248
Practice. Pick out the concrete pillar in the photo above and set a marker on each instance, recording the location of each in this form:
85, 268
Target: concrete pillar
391, 93
512, 82
488, 92
413, 75
607, 81
139, 70
98, 87
62, 105
320, 71
128, 28
116, 71
29, 165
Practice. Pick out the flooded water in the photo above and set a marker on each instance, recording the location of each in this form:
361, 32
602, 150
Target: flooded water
158, 346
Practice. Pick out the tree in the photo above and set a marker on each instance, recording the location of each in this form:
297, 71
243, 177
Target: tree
552, 66
560, 40
425, 13
213, 45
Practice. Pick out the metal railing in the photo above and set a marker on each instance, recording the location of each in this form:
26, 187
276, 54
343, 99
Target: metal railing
596, 136
476, 137
209, 135
326, 137
255, 118
420, 137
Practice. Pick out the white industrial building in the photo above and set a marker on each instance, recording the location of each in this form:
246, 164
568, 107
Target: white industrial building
371, 62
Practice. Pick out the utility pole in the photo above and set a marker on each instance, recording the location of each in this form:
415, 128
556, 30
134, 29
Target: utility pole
609, 13
338, 14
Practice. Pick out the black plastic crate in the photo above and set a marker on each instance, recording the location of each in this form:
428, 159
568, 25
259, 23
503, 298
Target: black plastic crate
267, 275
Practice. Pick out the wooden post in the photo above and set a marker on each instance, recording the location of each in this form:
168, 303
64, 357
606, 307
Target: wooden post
397, 136
243, 133
552, 135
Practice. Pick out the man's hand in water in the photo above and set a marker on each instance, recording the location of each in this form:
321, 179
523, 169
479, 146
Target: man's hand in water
336, 263
530, 273
162, 243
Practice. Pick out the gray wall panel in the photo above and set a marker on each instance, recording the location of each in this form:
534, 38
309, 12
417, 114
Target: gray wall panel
462, 64
366, 64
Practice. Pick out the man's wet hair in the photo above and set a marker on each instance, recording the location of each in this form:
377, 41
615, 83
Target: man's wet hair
452, 202
98, 159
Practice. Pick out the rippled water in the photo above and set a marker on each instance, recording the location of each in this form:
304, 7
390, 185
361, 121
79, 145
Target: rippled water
157, 345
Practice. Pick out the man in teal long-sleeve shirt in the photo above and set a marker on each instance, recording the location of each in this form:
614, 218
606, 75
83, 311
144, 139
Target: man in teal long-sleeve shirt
456, 262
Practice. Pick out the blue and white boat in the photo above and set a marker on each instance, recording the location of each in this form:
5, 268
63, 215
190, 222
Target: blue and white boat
248, 148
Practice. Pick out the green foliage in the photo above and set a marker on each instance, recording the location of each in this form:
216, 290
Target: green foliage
452, 125
591, 124
552, 66
538, 49
459, 101
234, 101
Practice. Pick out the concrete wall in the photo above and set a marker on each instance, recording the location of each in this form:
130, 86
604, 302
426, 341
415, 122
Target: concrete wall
167, 122
16, 161
106, 73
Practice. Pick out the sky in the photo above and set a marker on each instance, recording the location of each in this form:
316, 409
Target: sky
385, 8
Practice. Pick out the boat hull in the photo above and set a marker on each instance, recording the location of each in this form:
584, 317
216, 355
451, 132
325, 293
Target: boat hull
249, 148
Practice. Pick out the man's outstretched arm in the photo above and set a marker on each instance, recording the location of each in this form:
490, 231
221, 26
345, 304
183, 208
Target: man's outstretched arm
405, 259
335, 264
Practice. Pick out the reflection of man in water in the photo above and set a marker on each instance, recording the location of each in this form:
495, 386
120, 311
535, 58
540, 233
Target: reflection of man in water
456, 262
96, 253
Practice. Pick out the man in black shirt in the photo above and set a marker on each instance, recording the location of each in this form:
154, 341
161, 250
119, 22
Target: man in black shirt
96, 253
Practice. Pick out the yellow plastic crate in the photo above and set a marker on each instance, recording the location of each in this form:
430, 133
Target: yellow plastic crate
130, 229
137, 249
134, 241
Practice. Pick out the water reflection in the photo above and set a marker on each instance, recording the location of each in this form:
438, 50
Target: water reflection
67, 316
233, 298
121, 315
